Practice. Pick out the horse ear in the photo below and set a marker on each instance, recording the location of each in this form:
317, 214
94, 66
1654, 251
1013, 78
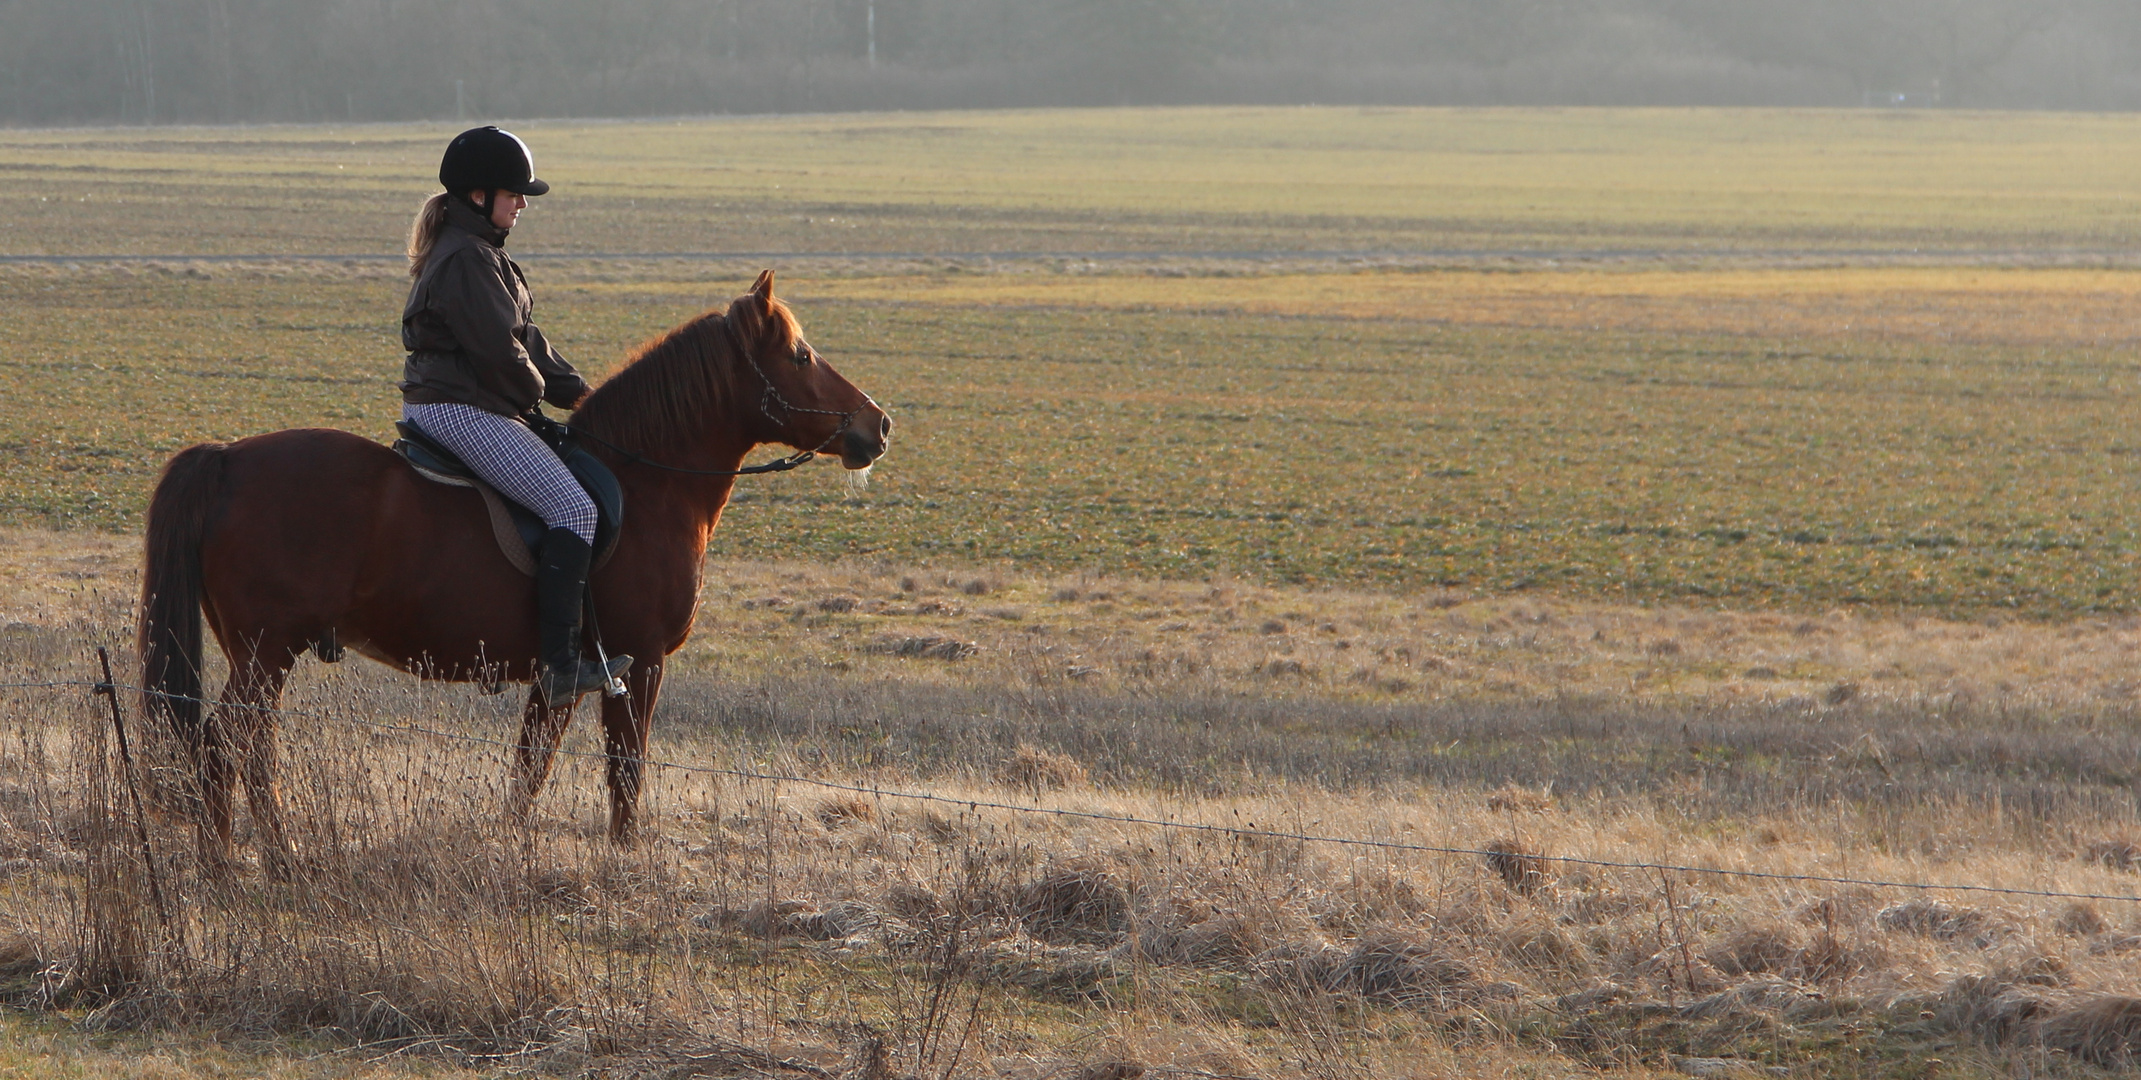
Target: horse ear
763, 289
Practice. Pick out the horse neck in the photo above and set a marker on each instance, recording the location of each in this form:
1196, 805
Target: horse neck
676, 498
716, 444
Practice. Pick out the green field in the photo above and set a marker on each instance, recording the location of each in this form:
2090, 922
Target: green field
1910, 439
1398, 452
1156, 180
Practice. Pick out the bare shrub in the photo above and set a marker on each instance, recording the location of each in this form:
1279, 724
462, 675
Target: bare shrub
1517, 865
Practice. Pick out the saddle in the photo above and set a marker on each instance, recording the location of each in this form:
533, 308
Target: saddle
518, 530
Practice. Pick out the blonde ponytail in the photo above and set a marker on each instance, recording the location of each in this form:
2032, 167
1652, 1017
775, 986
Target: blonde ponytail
424, 232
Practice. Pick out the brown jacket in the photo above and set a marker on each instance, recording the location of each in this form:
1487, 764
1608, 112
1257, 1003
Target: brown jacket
467, 331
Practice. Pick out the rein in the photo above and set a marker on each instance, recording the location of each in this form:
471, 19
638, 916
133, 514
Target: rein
795, 460
766, 402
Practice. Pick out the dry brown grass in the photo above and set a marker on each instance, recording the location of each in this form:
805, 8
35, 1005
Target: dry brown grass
766, 922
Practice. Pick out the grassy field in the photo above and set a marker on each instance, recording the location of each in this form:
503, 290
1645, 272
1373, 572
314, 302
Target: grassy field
1155, 180
1738, 489
778, 921
1951, 441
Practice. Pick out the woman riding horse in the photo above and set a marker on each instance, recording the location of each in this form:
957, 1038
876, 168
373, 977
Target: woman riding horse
320, 541
476, 363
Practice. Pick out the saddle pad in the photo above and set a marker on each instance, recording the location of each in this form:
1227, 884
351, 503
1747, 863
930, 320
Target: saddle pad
516, 528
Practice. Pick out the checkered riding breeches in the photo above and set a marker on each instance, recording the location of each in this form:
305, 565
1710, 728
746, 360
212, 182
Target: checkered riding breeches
512, 459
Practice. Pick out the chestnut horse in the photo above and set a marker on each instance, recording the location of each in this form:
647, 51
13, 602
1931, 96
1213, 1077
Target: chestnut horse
312, 539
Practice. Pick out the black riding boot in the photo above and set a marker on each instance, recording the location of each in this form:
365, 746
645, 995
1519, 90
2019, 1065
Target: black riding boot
560, 584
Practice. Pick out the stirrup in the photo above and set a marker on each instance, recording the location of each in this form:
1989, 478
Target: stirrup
563, 687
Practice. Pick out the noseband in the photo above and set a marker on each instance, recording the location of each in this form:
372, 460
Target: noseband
767, 402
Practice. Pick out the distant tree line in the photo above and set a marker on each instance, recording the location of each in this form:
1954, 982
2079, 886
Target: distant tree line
195, 61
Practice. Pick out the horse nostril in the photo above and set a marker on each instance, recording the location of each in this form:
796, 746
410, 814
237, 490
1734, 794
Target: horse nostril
884, 427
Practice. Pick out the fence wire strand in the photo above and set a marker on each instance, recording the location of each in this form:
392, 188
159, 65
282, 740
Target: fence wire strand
976, 805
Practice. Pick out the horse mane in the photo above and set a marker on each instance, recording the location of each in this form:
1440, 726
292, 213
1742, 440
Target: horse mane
671, 389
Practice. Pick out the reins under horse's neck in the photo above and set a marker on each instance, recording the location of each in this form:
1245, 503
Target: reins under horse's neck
798, 458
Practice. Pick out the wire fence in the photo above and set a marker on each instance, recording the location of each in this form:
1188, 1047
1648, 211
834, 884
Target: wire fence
976, 805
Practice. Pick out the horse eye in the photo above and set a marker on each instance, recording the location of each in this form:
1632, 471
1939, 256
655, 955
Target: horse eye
804, 355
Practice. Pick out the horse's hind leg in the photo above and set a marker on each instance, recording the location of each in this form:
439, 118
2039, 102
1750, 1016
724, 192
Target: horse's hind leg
241, 743
540, 730
215, 769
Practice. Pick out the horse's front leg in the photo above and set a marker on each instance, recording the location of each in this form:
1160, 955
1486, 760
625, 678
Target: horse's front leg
625, 724
541, 729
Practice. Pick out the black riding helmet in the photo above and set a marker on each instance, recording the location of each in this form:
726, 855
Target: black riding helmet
487, 159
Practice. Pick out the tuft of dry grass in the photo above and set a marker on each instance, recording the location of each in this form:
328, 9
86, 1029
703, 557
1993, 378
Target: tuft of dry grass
1036, 770
1518, 866
2104, 1030
845, 810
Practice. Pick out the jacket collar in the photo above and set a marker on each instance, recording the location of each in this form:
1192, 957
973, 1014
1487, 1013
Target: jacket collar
468, 219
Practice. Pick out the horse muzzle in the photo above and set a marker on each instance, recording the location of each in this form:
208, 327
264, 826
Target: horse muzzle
865, 440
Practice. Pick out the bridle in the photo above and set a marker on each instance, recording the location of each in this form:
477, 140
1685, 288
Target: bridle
767, 402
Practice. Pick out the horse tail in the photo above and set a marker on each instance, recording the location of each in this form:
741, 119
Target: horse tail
169, 634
